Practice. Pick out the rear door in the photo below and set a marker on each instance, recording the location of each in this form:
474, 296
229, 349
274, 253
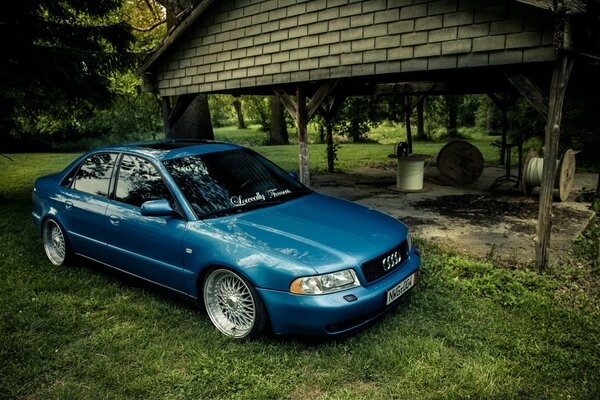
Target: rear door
149, 247
84, 199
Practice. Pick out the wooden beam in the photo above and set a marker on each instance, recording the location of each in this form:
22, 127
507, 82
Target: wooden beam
530, 91
173, 35
558, 87
301, 122
287, 101
410, 88
570, 6
415, 102
321, 94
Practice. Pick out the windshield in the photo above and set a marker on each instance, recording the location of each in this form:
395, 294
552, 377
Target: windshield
222, 183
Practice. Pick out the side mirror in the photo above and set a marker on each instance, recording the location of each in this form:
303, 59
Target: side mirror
294, 175
156, 208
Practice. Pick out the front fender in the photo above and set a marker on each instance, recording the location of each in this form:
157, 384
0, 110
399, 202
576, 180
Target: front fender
205, 247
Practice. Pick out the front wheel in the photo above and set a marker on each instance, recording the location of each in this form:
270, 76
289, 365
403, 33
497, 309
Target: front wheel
233, 305
55, 243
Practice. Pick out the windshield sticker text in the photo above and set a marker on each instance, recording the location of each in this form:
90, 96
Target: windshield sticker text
269, 194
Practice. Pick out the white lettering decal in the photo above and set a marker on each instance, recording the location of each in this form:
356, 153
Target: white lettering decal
269, 194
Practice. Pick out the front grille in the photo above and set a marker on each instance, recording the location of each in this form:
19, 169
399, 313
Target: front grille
374, 268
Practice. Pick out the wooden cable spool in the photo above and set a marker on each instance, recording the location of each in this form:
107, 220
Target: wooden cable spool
459, 163
564, 175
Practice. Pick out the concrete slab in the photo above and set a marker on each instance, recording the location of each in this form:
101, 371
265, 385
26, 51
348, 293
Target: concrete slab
497, 223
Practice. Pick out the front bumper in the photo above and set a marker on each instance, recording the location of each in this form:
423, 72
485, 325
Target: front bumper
332, 314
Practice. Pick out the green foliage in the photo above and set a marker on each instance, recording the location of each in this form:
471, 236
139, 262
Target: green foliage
524, 121
258, 110
435, 115
221, 110
358, 114
59, 59
587, 244
509, 288
590, 196
130, 113
467, 109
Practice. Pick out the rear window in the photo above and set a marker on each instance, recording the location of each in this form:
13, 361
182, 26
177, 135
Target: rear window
94, 174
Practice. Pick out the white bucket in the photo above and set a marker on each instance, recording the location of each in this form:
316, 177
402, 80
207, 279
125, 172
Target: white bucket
409, 176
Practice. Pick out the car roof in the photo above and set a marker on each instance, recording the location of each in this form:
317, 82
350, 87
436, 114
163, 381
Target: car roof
173, 148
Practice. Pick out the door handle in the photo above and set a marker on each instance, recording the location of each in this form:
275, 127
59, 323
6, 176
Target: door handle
115, 220
68, 204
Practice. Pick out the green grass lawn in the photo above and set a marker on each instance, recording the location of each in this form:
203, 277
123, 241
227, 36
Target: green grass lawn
470, 330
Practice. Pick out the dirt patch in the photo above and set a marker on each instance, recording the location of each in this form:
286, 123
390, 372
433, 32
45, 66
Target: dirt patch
488, 210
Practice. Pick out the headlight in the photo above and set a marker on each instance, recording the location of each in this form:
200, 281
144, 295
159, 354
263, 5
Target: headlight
328, 283
409, 241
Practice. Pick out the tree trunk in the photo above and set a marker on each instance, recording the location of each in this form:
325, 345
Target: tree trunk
355, 131
330, 148
420, 121
237, 104
489, 120
321, 132
195, 121
452, 109
407, 112
278, 133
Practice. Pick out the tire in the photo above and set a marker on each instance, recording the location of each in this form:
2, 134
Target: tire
233, 305
56, 244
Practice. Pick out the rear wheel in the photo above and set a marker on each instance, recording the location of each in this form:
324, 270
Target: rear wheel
55, 243
233, 305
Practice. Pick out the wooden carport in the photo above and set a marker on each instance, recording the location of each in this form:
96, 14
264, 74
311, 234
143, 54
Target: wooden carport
305, 51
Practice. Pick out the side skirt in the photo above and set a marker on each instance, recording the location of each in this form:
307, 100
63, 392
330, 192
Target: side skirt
137, 276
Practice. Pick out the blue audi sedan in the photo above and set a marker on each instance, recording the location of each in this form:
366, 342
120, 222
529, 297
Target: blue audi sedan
229, 229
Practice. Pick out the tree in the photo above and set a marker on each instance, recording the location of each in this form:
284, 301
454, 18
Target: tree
195, 121
237, 105
278, 133
420, 120
452, 103
58, 57
258, 109
359, 113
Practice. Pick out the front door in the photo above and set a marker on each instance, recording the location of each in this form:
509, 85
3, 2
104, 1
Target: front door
149, 247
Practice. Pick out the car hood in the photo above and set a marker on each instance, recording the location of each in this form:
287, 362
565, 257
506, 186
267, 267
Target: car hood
321, 232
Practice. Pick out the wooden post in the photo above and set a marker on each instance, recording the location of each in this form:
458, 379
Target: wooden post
166, 111
302, 115
558, 87
301, 122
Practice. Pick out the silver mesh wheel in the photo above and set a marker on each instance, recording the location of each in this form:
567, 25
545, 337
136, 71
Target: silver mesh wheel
229, 303
55, 245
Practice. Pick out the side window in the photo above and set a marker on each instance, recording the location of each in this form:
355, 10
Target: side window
139, 181
94, 175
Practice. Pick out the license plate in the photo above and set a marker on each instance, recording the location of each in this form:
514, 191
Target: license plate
401, 288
